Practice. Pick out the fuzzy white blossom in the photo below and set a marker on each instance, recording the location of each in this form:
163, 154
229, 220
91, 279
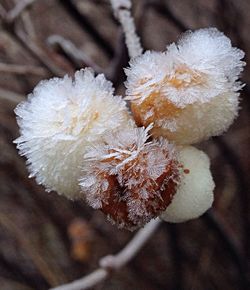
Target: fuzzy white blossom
194, 194
59, 120
190, 91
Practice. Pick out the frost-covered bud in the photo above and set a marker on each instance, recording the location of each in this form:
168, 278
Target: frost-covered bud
129, 179
194, 194
60, 118
190, 91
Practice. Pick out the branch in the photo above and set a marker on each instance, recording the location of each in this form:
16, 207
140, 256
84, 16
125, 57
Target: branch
76, 55
22, 69
114, 71
18, 9
234, 161
177, 254
229, 242
83, 22
37, 52
11, 97
22, 38
115, 262
3, 12
121, 9
41, 264
162, 8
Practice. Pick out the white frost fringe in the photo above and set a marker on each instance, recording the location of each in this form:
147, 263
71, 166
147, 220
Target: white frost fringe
121, 9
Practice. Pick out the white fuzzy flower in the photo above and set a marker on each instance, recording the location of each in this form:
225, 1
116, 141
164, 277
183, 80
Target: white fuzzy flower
60, 118
130, 179
190, 91
194, 194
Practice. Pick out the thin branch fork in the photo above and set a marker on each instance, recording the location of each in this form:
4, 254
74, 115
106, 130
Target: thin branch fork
113, 263
87, 26
76, 55
13, 14
24, 39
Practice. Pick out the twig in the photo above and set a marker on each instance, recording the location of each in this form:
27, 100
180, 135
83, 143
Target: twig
22, 38
87, 26
162, 8
234, 161
114, 71
17, 273
122, 12
76, 55
3, 12
10, 96
37, 52
115, 262
22, 69
230, 244
28, 25
177, 255
27, 246
18, 9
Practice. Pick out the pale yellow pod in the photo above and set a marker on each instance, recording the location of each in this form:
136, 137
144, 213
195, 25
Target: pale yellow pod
194, 194
189, 92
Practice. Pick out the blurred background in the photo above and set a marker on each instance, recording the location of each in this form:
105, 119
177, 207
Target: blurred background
46, 240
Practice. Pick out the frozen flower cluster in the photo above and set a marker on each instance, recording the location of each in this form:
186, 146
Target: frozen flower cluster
59, 120
82, 141
190, 91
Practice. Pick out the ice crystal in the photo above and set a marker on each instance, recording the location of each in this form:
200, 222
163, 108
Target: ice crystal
129, 178
187, 86
60, 118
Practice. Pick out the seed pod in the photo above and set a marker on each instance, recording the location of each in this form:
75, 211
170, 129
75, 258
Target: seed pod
59, 120
194, 194
189, 92
129, 179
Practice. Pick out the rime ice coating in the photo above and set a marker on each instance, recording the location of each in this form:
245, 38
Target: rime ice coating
190, 91
60, 118
194, 194
130, 179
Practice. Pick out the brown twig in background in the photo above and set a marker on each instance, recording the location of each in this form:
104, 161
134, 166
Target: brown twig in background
26, 245
22, 69
233, 160
115, 72
37, 52
87, 26
177, 255
11, 97
77, 56
229, 242
18, 9
162, 8
17, 273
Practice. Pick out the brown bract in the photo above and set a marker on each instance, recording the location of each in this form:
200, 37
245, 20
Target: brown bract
126, 206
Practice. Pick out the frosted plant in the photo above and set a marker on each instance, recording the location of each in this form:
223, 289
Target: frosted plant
130, 179
80, 140
133, 180
194, 195
60, 118
190, 91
